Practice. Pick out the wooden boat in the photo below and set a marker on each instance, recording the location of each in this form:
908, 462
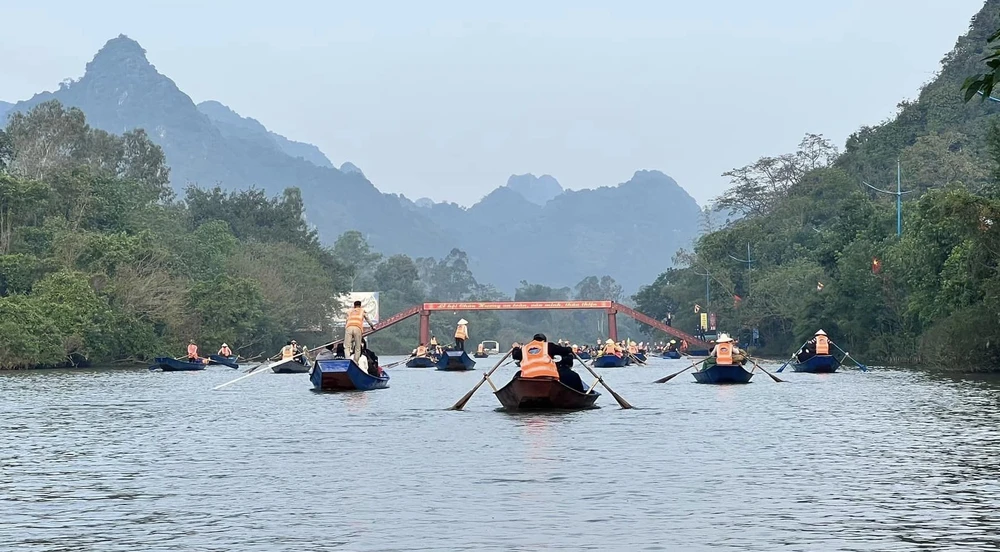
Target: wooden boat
818, 364
477, 354
671, 354
229, 361
455, 361
342, 374
722, 373
168, 364
289, 366
610, 361
543, 394
421, 362
584, 355
639, 357
698, 352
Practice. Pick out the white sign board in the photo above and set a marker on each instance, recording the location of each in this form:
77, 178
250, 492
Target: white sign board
369, 301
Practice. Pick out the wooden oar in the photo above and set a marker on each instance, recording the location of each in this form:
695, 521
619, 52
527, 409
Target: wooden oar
779, 370
848, 355
217, 387
461, 402
621, 402
675, 374
774, 377
636, 359
397, 363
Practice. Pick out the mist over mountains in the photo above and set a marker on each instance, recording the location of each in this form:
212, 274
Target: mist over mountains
529, 229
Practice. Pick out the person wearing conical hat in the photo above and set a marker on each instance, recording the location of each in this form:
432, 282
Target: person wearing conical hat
819, 345
725, 352
611, 348
461, 334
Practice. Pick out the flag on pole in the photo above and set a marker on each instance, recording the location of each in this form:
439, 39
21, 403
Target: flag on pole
736, 301
819, 286
876, 265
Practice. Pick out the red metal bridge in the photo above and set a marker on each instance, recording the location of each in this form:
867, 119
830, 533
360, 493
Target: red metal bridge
610, 307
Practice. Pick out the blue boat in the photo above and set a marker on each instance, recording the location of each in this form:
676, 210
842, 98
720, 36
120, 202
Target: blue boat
421, 362
698, 352
168, 364
342, 374
671, 354
455, 361
610, 361
584, 355
639, 357
229, 361
818, 364
722, 373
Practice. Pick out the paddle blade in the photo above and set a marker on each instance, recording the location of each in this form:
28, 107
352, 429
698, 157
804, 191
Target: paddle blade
621, 402
461, 402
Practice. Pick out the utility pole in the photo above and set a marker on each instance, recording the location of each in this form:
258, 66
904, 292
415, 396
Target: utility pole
899, 198
748, 260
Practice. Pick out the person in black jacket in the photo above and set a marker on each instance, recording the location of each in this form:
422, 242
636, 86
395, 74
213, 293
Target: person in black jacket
564, 365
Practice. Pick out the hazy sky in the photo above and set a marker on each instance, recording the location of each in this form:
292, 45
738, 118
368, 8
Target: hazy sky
446, 99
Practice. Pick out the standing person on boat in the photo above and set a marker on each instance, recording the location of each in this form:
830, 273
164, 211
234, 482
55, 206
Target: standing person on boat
225, 351
461, 334
192, 351
536, 362
354, 329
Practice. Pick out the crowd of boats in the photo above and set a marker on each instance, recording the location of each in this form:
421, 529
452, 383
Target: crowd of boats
542, 382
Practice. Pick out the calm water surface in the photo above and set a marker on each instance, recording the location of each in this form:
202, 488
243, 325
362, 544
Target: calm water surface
126, 460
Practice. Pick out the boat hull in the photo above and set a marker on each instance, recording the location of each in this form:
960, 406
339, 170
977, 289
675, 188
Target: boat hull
610, 361
819, 364
722, 373
343, 374
480, 355
543, 394
584, 355
290, 366
671, 354
455, 361
229, 361
640, 357
698, 352
168, 364
421, 362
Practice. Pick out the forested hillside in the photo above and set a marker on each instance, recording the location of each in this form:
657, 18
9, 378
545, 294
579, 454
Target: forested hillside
824, 248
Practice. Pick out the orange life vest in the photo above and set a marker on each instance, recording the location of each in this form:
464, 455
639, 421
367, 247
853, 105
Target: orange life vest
462, 332
632, 349
536, 362
193, 351
421, 351
356, 318
724, 353
287, 352
822, 345
226, 352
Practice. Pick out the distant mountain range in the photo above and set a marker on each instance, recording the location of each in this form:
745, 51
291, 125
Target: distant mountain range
530, 229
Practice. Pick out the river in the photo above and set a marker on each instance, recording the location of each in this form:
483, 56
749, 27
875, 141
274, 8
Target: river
126, 460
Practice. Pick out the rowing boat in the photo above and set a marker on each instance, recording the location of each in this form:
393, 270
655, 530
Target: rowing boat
421, 362
288, 366
818, 364
229, 361
722, 373
455, 361
610, 361
168, 364
342, 374
671, 354
544, 393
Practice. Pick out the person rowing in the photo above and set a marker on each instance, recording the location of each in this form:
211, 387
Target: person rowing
536, 360
818, 345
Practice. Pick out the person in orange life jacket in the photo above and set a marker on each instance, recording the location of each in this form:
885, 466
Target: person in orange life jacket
564, 367
192, 351
225, 351
354, 329
461, 334
819, 345
725, 352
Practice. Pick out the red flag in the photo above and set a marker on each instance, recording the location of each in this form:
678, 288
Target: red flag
876, 265
736, 301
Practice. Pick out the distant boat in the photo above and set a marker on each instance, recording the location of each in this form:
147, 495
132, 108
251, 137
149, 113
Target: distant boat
698, 352
421, 362
168, 364
722, 373
584, 355
289, 366
455, 361
610, 361
639, 357
543, 394
477, 354
818, 364
671, 354
342, 374
229, 361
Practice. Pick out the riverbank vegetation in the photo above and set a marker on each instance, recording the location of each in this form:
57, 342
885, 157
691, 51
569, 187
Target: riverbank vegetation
824, 246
